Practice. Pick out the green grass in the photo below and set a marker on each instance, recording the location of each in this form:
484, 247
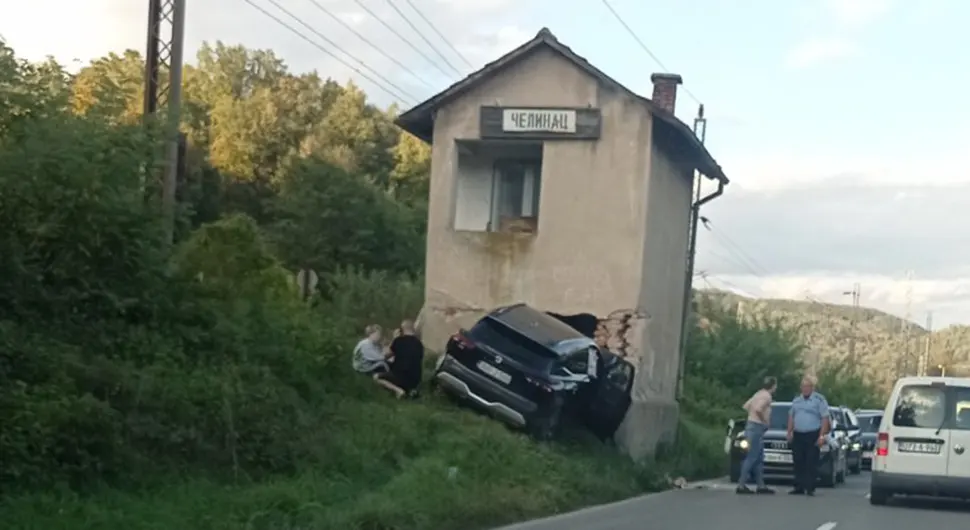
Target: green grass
381, 464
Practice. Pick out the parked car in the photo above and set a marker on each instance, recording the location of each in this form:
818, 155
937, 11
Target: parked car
921, 447
832, 468
845, 427
869, 425
532, 371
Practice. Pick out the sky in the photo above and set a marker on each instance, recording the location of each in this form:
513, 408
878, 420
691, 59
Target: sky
841, 123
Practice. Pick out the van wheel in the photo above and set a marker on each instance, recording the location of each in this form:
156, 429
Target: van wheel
878, 497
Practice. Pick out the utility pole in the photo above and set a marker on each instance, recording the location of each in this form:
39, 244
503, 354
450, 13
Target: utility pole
700, 131
163, 90
925, 358
856, 293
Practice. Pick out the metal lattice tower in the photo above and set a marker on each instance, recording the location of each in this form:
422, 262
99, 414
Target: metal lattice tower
163, 88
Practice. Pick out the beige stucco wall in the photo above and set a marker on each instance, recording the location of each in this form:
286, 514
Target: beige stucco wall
611, 239
663, 270
586, 256
653, 417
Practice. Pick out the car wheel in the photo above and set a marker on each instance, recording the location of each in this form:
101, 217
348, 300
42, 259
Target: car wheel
831, 476
879, 497
545, 427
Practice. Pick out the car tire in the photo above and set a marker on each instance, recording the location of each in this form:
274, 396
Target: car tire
879, 497
830, 478
545, 427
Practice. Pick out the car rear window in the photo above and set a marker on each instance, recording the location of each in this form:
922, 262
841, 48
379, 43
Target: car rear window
920, 406
511, 343
870, 423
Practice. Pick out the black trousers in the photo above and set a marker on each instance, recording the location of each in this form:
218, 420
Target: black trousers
805, 453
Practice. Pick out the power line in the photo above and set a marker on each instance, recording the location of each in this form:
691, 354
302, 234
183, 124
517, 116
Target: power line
402, 37
345, 52
644, 46
422, 35
389, 91
367, 41
435, 29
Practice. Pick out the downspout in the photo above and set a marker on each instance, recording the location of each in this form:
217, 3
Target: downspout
700, 130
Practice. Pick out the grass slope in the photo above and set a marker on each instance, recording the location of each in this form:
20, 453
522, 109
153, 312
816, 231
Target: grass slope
385, 465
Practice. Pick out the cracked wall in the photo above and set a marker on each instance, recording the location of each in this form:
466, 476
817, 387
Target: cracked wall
611, 233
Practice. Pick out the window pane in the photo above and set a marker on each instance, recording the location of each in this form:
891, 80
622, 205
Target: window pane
920, 406
961, 410
870, 423
510, 191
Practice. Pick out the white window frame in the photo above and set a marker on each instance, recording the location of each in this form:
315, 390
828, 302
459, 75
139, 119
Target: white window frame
531, 187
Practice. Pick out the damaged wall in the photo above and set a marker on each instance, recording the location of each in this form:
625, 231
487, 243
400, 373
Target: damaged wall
653, 416
592, 202
612, 234
623, 331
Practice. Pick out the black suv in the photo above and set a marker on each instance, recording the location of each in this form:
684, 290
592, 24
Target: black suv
778, 456
530, 369
845, 426
869, 425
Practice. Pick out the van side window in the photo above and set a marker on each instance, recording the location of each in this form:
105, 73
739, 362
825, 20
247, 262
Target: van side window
961, 401
920, 406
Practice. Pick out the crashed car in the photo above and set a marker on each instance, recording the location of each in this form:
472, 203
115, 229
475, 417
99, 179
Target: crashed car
832, 468
532, 371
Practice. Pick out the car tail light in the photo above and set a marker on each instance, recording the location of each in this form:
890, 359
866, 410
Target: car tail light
462, 341
882, 447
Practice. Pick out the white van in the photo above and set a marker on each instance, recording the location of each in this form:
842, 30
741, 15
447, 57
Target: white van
923, 445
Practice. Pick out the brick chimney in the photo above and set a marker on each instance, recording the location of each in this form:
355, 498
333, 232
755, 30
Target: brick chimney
665, 90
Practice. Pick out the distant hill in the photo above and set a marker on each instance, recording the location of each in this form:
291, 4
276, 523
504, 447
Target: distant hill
885, 345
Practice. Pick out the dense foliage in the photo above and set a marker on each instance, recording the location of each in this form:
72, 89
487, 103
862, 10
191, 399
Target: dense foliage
194, 368
729, 355
886, 346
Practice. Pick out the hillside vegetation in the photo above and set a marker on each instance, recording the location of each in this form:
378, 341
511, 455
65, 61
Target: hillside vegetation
147, 384
885, 345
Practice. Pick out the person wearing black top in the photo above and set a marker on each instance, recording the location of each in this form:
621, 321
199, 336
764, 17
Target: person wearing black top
405, 356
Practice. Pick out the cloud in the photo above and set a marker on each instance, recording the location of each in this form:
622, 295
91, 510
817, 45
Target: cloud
798, 167
481, 30
820, 239
820, 50
857, 12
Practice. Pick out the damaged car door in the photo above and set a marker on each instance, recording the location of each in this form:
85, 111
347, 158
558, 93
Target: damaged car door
610, 395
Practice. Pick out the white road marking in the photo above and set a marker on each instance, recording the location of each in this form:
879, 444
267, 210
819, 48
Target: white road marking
827, 526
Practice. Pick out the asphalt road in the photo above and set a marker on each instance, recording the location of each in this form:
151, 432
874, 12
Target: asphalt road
714, 505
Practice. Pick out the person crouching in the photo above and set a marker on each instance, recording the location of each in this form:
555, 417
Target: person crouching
404, 357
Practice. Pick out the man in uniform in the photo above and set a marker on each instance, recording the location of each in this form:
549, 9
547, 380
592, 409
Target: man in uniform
808, 425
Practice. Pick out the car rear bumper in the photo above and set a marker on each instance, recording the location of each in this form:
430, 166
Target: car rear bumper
483, 393
907, 484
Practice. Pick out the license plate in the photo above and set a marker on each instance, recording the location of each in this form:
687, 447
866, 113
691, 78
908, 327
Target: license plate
778, 458
867, 454
494, 372
919, 447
